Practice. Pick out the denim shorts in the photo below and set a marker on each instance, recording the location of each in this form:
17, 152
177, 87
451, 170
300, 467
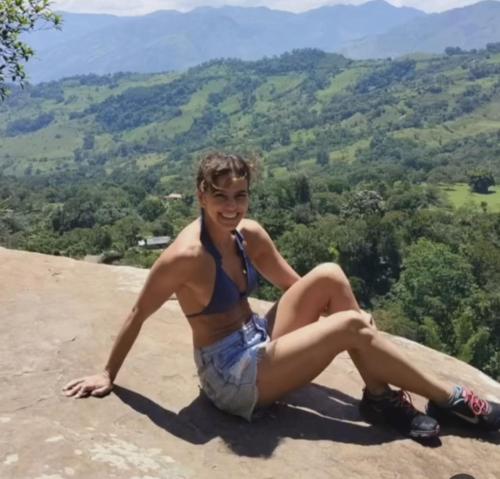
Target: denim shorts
228, 368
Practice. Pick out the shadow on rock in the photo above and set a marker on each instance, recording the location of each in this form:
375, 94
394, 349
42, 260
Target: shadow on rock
312, 413
449, 429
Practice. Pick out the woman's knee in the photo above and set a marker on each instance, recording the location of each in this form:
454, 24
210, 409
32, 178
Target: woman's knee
331, 273
358, 329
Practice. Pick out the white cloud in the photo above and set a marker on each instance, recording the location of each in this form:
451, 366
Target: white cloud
433, 5
141, 7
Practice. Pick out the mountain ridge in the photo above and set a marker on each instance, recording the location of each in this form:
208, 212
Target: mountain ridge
170, 40
466, 27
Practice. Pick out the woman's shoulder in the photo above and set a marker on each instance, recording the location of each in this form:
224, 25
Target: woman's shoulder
255, 235
186, 247
252, 229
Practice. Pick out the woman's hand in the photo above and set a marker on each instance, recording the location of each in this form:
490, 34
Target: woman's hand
98, 385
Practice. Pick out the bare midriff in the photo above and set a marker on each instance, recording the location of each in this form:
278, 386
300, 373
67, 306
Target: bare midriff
210, 328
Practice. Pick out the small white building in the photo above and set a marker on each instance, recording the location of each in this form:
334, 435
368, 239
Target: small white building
155, 242
173, 196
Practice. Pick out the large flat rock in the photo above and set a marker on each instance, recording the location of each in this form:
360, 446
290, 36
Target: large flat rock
58, 319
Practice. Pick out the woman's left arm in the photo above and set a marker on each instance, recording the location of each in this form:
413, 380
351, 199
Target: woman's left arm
266, 257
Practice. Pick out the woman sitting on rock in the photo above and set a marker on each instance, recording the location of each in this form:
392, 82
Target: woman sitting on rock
245, 361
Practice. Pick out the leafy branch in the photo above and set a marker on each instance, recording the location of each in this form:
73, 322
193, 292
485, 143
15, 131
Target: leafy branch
17, 17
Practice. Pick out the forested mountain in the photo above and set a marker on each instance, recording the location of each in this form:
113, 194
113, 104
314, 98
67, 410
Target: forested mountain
356, 160
294, 109
170, 40
467, 28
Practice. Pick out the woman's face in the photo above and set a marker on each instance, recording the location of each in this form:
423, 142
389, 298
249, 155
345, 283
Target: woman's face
228, 204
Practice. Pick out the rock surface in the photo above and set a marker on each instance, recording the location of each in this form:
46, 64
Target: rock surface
58, 318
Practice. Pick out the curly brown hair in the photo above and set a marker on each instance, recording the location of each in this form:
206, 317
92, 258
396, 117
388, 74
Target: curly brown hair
217, 164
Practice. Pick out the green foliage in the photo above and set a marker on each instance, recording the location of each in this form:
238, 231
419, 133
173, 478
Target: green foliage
17, 17
484, 257
369, 251
431, 288
322, 158
391, 318
140, 258
460, 196
280, 106
483, 69
126, 232
493, 47
151, 208
363, 203
471, 341
74, 214
396, 71
28, 125
307, 59
48, 91
480, 181
303, 250
429, 333
143, 105
453, 51
410, 198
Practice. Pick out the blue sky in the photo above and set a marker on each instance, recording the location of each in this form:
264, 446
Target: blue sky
140, 7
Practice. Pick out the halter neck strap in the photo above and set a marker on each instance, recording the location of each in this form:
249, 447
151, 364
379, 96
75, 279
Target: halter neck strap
207, 241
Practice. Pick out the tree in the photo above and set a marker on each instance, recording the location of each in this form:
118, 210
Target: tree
432, 289
363, 203
302, 189
453, 51
77, 212
369, 252
151, 208
493, 47
480, 181
304, 250
322, 158
17, 17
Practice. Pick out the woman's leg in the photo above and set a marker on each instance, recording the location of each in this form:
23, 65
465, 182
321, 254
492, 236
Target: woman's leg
294, 359
326, 288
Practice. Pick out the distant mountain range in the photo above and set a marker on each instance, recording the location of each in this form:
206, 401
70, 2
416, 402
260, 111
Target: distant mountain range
467, 28
170, 40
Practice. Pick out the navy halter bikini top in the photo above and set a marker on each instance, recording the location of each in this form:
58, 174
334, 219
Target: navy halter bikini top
226, 294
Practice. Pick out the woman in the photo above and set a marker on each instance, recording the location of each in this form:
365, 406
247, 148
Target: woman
245, 361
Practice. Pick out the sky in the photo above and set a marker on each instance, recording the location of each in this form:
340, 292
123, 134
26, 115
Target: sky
141, 7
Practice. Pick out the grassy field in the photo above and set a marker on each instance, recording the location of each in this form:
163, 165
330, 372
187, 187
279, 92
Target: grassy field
438, 135
48, 147
460, 195
277, 85
180, 124
339, 83
348, 153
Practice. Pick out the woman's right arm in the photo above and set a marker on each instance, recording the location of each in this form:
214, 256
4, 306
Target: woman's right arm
169, 271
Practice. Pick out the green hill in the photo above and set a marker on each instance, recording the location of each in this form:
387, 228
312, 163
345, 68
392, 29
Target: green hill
435, 116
